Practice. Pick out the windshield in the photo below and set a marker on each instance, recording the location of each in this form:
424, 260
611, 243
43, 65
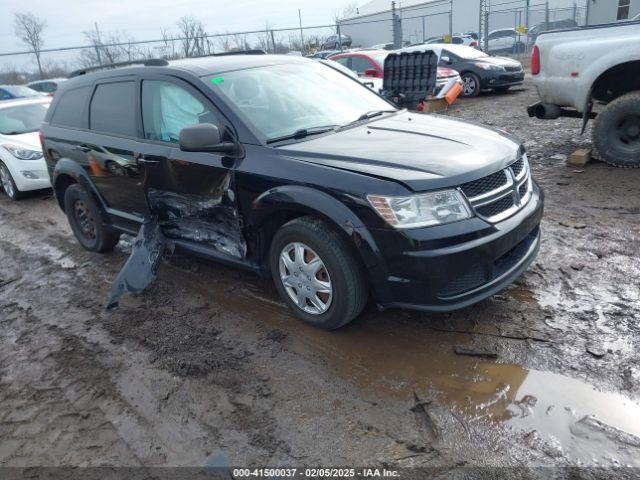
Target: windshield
466, 52
21, 91
279, 100
22, 118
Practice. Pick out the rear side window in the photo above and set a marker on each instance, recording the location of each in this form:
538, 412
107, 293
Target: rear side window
112, 109
70, 110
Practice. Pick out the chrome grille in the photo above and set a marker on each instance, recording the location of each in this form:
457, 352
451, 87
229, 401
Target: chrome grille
497, 207
485, 184
517, 167
501, 194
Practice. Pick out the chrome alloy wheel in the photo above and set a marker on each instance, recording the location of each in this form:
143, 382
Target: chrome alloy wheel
305, 278
5, 178
468, 85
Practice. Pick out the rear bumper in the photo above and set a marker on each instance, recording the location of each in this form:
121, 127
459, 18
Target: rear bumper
457, 265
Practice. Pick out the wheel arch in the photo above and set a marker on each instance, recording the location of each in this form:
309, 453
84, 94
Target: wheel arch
616, 81
280, 205
66, 173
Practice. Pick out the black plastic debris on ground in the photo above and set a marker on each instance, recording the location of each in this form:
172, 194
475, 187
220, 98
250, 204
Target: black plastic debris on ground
141, 267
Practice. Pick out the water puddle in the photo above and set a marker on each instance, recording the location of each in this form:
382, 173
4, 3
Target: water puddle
394, 354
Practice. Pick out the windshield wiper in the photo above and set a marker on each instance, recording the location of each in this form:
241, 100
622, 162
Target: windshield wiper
302, 133
367, 116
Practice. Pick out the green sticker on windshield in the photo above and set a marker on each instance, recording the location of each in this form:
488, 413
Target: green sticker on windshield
217, 80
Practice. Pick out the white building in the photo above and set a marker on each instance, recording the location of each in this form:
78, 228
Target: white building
421, 19
606, 11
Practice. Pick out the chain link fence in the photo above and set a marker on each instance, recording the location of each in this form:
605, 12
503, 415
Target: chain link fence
512, 26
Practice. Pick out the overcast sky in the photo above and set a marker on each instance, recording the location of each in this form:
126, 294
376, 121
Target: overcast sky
143, 19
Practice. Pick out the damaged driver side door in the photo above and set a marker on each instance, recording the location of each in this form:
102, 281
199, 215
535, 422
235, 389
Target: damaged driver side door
192, 194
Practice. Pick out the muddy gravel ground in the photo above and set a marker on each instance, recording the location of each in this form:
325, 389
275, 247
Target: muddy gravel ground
209, 367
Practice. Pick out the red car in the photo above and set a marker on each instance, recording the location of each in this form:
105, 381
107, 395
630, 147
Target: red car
370, 63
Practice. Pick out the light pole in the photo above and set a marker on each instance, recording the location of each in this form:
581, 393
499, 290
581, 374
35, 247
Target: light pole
301, 36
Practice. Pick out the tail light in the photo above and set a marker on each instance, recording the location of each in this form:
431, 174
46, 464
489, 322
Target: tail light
535, 60
474, 44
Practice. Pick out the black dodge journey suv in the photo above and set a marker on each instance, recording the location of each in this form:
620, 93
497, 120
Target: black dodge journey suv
287, 167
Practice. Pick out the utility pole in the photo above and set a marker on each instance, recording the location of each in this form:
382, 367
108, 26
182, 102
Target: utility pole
546, 13
97, 43
273, 41
301, 36
451, 20
339, 34
424, 38
397, 27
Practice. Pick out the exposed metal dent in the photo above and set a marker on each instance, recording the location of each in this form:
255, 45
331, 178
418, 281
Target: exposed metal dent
213, 221
141, 267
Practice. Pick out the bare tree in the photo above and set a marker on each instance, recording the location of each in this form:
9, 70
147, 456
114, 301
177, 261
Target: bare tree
193, 37
29, 28
111, 48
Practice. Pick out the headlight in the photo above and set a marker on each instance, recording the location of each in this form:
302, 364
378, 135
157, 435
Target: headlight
421, 210
23, 153
489, 66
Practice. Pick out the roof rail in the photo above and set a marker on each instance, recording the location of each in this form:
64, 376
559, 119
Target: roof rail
151, 62
253, 51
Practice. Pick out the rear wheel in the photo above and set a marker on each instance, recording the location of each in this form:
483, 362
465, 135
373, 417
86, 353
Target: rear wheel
8, 185
86, 221
616, 131
470, 85
316, 274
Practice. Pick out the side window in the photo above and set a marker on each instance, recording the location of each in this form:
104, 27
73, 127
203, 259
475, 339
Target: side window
4, 95
360, 64
344, 61
457, 40
37, 87
167, 107
69, 110
47, 87
112, 109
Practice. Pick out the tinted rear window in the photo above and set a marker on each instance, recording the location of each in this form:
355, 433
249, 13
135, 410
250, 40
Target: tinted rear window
69, 110
112, 109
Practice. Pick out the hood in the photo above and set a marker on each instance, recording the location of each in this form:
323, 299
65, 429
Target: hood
421, 151
30, 140
501, 61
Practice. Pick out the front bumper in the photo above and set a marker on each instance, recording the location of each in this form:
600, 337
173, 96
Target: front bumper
456, 265
28, 174
501, 79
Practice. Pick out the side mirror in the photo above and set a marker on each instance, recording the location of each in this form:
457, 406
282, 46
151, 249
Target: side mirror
446, 59
204, 137
370, 72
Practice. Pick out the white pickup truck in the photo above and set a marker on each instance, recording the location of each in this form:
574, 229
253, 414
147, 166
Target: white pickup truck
573, 69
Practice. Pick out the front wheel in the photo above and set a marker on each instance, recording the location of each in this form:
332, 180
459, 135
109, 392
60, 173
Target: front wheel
616, 131
470, 85
316, 274
8, 185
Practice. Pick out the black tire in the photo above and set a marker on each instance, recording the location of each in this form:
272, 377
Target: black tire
10, 188
616, 131
346, 275
470, 85
86, 220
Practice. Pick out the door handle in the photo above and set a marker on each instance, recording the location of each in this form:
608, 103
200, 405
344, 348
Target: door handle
82, 148
145, 162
